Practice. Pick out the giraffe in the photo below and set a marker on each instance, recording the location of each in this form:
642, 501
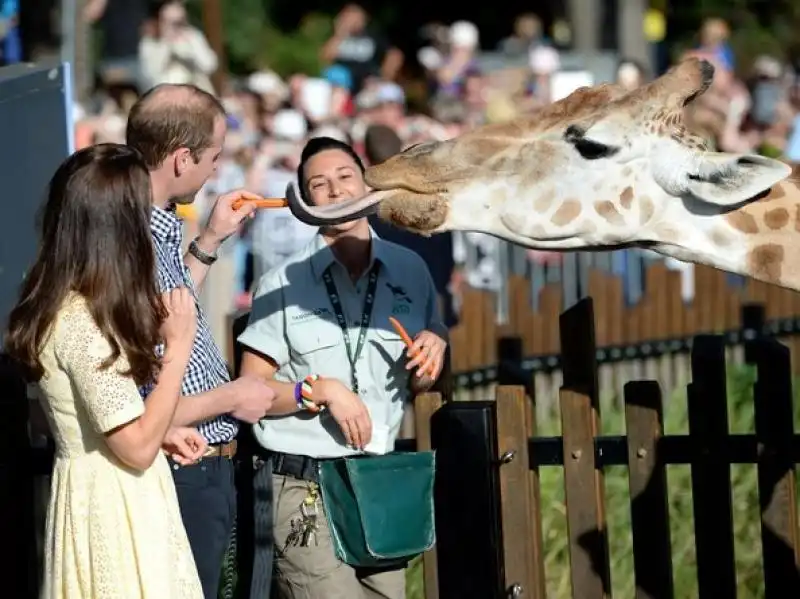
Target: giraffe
601, 169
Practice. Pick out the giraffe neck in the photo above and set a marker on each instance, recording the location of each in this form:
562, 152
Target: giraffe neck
760, 240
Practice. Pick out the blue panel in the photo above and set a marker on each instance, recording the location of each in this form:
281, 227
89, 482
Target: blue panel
35, 140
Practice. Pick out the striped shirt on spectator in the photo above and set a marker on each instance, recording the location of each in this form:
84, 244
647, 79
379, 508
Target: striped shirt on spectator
206, 369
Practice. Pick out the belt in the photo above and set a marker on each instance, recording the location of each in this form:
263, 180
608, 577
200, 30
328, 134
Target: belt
297, 466
221, 450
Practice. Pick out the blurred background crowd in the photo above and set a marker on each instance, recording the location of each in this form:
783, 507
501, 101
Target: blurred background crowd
366, 77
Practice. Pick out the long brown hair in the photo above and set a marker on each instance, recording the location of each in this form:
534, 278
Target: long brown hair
95, 240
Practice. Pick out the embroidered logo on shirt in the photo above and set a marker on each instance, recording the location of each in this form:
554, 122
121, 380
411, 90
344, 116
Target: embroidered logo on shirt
399, 293
311, 314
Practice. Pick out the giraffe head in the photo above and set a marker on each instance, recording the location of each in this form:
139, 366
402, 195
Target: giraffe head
579, 147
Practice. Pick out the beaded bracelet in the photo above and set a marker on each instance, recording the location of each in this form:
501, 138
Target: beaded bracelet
303, 394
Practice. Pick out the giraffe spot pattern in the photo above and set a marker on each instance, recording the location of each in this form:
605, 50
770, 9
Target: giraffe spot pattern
626, 198
776, 218
667, 233
646, 209
742, 221
609, 212
566, 213
766, 262
776, 193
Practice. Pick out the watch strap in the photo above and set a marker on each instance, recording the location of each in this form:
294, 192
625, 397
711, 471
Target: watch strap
205, 258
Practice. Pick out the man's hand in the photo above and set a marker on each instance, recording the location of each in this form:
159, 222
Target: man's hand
427, 354
254, 398
184, 445
224, 220
347, 410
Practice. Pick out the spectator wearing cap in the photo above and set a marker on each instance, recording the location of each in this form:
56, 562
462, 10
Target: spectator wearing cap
342, 105
464, 43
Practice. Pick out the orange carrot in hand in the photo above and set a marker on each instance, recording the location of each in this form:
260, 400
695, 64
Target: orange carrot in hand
401, 331
261, 203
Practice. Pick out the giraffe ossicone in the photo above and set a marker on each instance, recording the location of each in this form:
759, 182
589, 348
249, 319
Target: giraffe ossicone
601, 169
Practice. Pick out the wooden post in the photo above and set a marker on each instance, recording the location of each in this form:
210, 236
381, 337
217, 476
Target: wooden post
468, 531
525, 542
711, 472
515, 490
777, 489
583, 479
647, 479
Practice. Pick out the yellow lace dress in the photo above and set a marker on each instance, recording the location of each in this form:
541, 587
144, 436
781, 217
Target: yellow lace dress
112, 532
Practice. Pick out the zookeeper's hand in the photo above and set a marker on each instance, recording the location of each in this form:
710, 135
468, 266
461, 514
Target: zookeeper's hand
184, 445
347, 410
225, 220
427, 354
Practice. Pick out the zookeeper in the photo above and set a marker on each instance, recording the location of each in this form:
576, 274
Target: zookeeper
319, 332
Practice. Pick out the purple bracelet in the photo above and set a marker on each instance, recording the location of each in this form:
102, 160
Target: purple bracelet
298, 397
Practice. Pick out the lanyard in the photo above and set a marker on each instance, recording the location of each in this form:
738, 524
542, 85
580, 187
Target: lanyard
366, 314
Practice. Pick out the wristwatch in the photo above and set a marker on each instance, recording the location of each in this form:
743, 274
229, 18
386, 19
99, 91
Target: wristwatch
194, 250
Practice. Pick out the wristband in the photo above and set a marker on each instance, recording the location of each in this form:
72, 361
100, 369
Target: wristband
298, 397
303, 393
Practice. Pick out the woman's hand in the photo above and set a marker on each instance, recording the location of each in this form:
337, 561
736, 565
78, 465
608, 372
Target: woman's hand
180, 326
184, 445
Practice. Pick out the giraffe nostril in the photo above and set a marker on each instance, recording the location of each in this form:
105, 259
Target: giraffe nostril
573, 133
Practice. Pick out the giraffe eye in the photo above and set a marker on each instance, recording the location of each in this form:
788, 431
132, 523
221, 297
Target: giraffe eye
587, 148
592, 150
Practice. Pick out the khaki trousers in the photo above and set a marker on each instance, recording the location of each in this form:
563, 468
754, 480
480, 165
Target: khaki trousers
314, 572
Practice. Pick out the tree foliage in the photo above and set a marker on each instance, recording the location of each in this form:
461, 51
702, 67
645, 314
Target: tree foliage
254, 41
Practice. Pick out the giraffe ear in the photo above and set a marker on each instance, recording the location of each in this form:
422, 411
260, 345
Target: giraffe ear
730, 179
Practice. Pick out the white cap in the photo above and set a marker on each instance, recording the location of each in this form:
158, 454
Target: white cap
544, 60
289, 124
329, 131
266, 82
463, 34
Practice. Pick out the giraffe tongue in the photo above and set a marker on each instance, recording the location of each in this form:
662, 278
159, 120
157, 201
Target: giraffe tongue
332, 214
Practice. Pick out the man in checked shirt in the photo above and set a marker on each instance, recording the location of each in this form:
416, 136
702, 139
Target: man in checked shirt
179, 130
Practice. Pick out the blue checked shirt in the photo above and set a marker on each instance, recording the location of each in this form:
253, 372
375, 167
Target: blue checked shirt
206, 369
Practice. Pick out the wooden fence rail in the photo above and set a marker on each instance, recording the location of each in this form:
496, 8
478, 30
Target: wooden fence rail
661, 313
584, 454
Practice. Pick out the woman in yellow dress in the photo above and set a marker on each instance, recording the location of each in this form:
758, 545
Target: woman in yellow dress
86, 330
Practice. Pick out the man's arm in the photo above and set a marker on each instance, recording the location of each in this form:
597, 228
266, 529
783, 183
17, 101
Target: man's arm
223, 222
194, 409
197, 269
256, 364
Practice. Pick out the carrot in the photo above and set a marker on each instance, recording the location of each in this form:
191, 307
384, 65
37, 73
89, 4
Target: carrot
404, 335
401, 331
261, 203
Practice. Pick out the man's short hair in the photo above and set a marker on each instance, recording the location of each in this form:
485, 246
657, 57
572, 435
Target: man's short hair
169, 117
381, 142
